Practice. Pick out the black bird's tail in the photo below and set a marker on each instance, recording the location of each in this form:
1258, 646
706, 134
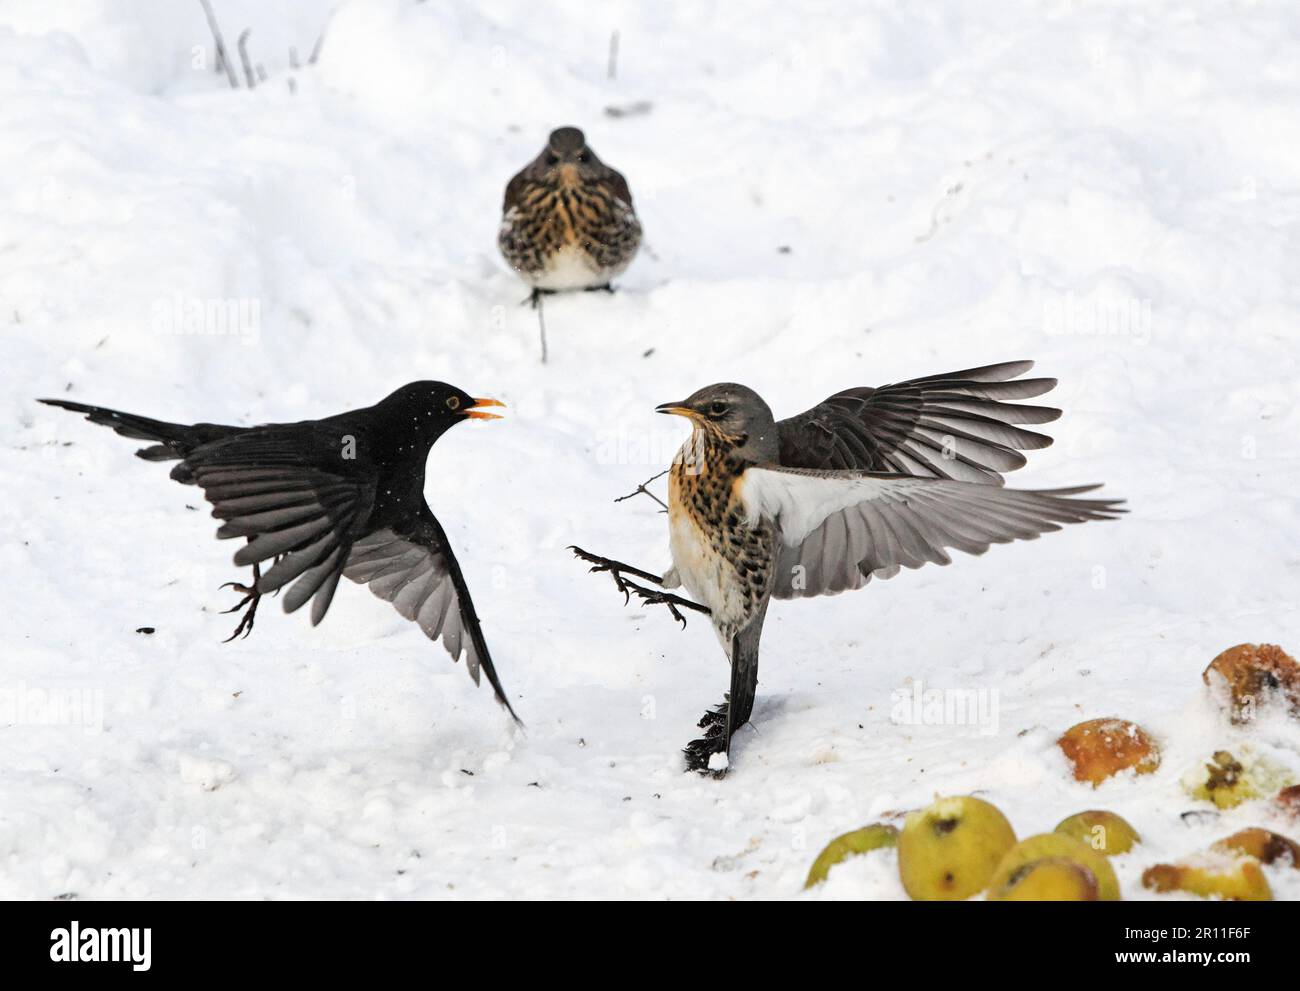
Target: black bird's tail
172, 440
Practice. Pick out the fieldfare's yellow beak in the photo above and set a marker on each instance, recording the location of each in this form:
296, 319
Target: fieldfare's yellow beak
475, 412
676, 409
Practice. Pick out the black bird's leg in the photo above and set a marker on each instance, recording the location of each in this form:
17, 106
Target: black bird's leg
248, 603
628, 587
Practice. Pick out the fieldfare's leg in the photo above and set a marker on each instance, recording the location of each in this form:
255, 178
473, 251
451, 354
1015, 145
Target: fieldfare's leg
628, 587
721, 723
714, 741
534, 298
248, 603
607, 287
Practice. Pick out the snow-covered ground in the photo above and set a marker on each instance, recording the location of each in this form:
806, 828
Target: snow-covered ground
831, 197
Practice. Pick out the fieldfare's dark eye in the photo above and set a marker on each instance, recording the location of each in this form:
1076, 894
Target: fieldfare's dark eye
717, 409
583, 157
453, 402
551, 158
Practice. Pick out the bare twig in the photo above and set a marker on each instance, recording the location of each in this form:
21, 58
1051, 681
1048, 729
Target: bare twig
223, 60
642, 490
242, 45
261, 73
293, 57
315, 52
541, 325
612, 65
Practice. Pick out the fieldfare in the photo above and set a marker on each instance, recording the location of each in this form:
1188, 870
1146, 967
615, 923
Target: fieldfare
342, 496
568, 222
859, 486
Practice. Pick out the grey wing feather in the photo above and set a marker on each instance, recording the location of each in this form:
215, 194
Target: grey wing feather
954, 425
840, 529
417, 572
298, 513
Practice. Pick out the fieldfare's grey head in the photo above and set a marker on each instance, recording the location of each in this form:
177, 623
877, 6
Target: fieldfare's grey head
734, 414
566, 152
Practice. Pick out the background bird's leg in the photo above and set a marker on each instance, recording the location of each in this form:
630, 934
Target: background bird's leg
248, 603
650, 596
607, 287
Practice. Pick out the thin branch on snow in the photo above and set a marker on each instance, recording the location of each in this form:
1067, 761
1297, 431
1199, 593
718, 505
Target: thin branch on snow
612, 66
642, 490
223, 60
242, 45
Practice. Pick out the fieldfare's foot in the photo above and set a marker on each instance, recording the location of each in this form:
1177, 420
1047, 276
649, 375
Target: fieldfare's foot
650, 596
605, 288
251, 597
700, 752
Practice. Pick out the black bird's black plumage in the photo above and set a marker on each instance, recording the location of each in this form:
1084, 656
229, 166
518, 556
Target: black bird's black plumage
325, 499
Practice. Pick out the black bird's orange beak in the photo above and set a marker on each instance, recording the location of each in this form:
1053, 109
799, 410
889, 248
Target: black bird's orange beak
475, 411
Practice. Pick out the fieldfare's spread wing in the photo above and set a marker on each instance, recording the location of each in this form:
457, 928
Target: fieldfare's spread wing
265, 488
416, 571
840, 528
955, 425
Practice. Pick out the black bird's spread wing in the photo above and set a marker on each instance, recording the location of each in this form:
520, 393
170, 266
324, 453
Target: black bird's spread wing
416, 571
954, 425
265, 488
838, 529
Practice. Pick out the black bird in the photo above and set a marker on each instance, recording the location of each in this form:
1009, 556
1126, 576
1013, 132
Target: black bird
342, 496
859, 486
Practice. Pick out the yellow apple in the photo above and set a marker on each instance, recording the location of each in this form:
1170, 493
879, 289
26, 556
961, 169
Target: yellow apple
948, 851
1059, 845
1104, 831
874, 837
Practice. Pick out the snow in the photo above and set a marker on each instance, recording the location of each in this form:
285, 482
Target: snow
832, 196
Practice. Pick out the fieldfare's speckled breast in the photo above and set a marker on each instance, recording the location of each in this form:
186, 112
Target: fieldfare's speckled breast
568, 221
723, 559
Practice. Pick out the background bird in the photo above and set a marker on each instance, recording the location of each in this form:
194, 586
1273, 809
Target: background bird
864, 484
568, 222
342, 496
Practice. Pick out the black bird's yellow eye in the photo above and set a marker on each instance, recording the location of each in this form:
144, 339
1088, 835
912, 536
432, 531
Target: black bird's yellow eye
453, 402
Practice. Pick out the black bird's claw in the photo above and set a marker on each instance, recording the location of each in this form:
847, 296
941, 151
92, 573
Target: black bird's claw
649, 596
248, 603
698, 752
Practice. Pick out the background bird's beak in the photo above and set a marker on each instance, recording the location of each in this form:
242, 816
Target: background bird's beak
676, 409
475, 412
